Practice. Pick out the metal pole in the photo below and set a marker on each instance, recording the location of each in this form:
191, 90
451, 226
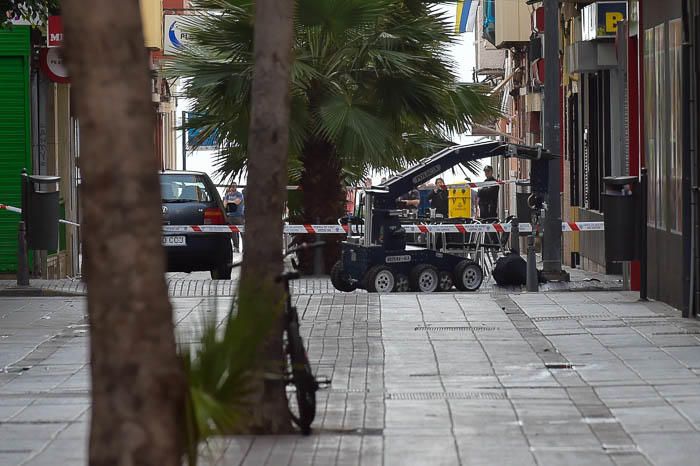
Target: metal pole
551, 247
184, 141
532, 282
22, 256
643, 239
318, 255
515, 236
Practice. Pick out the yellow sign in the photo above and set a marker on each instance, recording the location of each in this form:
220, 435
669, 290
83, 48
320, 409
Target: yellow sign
611, 20
460, 203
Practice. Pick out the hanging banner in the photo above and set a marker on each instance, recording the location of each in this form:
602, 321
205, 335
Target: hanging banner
466, 16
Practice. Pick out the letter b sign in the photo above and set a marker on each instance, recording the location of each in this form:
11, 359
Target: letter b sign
611, 20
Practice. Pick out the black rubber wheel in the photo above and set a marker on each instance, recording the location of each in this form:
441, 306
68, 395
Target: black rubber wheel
468, 276
402, 285
222, 272
446, 281
340, 279
303, 380
380, 279
424, 278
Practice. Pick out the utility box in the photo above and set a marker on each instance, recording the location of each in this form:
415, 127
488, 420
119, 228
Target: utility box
513, 23
40, 211
621, 209
459, 203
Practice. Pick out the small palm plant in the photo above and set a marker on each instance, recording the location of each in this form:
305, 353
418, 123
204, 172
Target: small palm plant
218, 368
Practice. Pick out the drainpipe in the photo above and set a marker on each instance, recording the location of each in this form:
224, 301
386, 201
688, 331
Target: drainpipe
690, 176
551, 243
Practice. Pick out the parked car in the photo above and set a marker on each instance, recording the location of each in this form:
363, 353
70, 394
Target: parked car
190, 198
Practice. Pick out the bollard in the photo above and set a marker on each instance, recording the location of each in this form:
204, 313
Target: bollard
22, 257
532, 281
515, 236
318, 256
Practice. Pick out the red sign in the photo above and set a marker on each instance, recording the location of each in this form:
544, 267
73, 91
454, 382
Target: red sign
54, 31
51, 61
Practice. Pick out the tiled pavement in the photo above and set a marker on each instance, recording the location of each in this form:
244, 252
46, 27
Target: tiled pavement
198, 284
456, 379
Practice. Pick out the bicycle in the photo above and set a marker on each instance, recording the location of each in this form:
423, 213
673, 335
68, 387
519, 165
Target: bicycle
297, 366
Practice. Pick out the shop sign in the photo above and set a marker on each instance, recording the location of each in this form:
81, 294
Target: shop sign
194, 137
54, 31
174, 35
599, 20
52, 64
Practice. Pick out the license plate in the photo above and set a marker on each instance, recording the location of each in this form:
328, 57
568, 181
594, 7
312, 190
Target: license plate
174, 241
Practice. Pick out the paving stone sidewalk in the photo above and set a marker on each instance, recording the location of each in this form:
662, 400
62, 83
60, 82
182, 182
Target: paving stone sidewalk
198, 284
451, 379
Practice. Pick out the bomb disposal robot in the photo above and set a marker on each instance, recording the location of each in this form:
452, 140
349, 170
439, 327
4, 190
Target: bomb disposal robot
380, 261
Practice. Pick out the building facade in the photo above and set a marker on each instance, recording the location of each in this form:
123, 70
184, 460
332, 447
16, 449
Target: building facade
627, 101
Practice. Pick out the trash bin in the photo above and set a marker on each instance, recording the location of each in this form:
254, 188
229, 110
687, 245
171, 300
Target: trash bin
621, 210
522, 192
41, 211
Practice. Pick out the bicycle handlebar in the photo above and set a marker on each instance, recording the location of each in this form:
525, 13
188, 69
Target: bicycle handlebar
291, 251
303, 246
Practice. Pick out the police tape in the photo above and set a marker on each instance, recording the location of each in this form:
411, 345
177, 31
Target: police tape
10, 208
482, 184
343, 229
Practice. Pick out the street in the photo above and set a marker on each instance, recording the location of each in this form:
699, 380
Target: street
563, 378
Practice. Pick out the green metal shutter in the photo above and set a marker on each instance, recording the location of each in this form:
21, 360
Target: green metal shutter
15, 134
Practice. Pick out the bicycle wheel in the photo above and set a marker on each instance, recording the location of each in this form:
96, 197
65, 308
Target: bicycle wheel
303, 380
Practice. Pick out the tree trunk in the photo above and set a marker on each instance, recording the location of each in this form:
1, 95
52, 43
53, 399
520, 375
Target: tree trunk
323, 198
137, 380
267, 176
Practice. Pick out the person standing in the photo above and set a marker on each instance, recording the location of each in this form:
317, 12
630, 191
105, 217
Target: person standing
439, 198
234, 202
488, 196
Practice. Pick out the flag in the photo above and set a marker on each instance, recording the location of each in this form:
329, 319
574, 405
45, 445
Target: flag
466, 16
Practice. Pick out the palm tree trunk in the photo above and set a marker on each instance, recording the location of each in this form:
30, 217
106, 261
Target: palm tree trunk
138, 383
323, 197
266, 193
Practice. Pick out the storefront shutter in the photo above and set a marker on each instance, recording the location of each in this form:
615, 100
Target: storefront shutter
14, 135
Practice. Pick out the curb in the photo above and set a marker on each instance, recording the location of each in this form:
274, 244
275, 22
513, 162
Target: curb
33, 292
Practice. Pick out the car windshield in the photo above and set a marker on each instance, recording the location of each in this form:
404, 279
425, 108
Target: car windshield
184, 188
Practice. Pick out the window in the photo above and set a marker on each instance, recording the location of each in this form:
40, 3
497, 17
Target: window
650, 120
660, 123
675, 178
184, 188
663, 125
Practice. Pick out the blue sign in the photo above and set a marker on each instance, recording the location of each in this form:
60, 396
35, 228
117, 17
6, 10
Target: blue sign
599, 20
194, 142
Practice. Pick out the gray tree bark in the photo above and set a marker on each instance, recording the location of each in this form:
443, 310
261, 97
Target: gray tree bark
137, 380
265, 197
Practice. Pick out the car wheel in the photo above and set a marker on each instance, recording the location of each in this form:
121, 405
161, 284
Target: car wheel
380, 279
468, 276
424, 278
222, 272
340, 279
446, 281
402, 285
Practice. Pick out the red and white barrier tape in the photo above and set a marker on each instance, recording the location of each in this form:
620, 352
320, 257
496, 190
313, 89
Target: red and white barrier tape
481, 184
10, 208
340, 229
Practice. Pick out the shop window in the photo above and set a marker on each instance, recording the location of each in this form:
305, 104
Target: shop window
675, 40
660, 124
663, 125
650, 119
